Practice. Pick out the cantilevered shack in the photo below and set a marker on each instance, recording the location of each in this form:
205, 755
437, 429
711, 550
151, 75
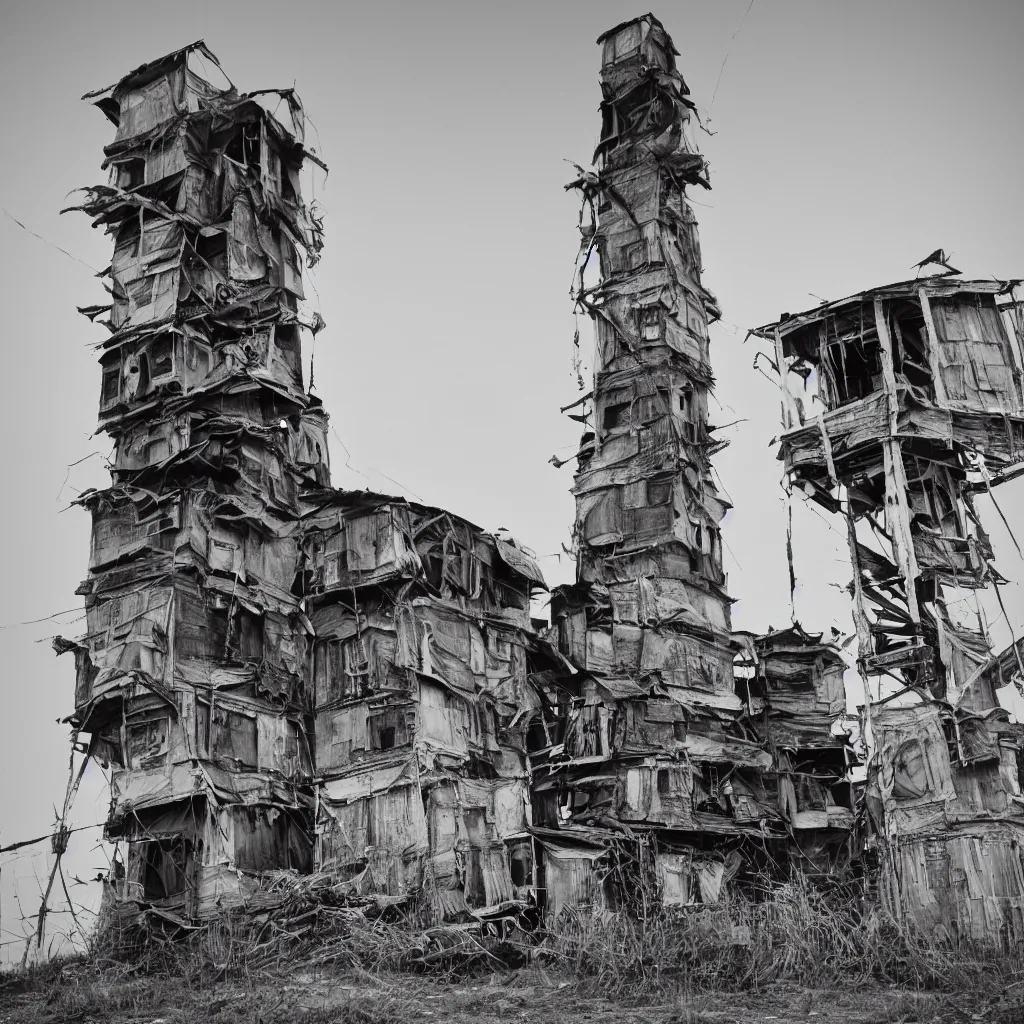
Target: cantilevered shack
900, 404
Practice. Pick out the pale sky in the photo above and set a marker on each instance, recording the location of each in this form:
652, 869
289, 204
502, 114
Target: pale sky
851, 139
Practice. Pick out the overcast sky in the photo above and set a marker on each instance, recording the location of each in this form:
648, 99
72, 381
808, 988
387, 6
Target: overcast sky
851, 139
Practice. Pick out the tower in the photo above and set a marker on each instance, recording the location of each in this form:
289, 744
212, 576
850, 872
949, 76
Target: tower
671, 770
899, 405
645, 720
190, 680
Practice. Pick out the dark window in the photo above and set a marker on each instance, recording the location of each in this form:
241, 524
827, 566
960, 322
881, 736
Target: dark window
664, 783
910, 773
161, 355
132, 173
165, 867
234, 737
520, 864
536, 738
388, 729
212, 254
659, 492
111, 385
616, 415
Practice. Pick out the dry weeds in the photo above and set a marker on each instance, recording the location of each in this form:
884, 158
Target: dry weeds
799, 955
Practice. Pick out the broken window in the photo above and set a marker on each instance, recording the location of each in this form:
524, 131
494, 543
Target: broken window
161, 356
852, 357
111, 388
271, 166
707, 791
164, 865
616, 415
148, 739
690, 412
356, 664
233, 736
244, 146
520, 863
810, 794
268, 839
212, 251
341, 669
659, 492
291, 265
622, 44
131, 173
910, 771
910, 346
388, 729
649, 322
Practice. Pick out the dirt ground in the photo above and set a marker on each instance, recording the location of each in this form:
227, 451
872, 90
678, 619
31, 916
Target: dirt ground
532, 995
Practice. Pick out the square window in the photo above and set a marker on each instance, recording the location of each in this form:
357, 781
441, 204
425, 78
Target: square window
659, 492
111, 385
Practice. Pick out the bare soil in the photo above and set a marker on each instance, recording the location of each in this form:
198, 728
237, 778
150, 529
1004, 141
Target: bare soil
531, 995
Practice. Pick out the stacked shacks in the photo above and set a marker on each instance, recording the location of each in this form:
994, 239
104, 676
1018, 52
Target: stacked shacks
280, 674
900, 404
792, 685
191, 676
423, 704
660, 777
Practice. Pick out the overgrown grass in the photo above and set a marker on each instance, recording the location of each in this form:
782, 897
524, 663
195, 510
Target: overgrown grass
797, 936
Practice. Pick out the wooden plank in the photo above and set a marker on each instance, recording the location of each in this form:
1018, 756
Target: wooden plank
788, 404
865, 648
888, 370
919, 655
934, 362
897, 518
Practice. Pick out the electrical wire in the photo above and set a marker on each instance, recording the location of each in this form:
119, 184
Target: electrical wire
47, 241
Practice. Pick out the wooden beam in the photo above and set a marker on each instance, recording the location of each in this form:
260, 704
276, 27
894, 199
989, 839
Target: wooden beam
933, 349
788, 403
865, 648
888, 367
897, 519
